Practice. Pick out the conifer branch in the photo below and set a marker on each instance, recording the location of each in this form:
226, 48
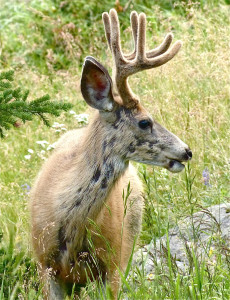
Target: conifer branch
14, 105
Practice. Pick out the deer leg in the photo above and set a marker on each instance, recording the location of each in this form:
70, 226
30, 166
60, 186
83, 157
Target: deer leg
113, 279
53, 289
56, 291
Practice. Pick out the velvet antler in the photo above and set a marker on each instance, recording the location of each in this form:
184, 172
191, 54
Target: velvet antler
139, 59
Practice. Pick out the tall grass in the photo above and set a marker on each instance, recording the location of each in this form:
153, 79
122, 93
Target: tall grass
46, 42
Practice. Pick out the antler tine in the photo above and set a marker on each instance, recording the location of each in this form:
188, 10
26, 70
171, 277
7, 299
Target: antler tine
115, 37
156, 57
163, 58
134, 25
141, 55
107, 27
112, 32
139, 59
151, 53
162, 48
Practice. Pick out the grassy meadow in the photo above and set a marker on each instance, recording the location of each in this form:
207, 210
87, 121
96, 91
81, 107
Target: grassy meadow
45, 42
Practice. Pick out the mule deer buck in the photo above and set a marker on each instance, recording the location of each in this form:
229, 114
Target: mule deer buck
80, 187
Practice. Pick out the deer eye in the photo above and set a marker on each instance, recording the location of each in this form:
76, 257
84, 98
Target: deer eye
144, 124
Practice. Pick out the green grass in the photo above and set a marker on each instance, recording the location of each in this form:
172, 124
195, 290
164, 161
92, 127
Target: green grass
190, 96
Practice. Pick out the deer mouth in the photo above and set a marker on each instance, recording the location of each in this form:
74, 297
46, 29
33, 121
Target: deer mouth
175, 166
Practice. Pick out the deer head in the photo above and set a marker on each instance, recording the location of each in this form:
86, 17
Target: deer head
136, 135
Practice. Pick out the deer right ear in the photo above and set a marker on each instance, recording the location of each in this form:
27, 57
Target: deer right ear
96, 85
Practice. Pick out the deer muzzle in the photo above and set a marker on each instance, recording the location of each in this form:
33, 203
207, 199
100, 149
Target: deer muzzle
175, 165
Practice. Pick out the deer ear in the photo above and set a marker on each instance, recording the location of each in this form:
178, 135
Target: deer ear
96, 85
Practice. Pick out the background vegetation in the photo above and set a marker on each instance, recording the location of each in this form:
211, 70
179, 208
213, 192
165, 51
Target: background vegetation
45, 42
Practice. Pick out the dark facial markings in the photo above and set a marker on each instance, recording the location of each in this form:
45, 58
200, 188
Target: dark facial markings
152, 143
118, 114
117, 124
119, 119
131, 148
151, 151
139, 141
163, 147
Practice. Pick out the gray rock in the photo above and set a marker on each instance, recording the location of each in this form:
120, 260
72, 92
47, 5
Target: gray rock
199, 237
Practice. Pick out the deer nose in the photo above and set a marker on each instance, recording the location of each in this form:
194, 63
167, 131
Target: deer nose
188, 154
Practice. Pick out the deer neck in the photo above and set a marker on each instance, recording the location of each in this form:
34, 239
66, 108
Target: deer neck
103, 157
99, 166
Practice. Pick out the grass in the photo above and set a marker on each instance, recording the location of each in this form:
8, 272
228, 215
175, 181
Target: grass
189, 96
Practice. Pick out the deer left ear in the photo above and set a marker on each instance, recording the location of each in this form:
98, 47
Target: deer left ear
96, 85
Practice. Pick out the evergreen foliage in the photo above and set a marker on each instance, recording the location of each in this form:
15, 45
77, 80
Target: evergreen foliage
14, 105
